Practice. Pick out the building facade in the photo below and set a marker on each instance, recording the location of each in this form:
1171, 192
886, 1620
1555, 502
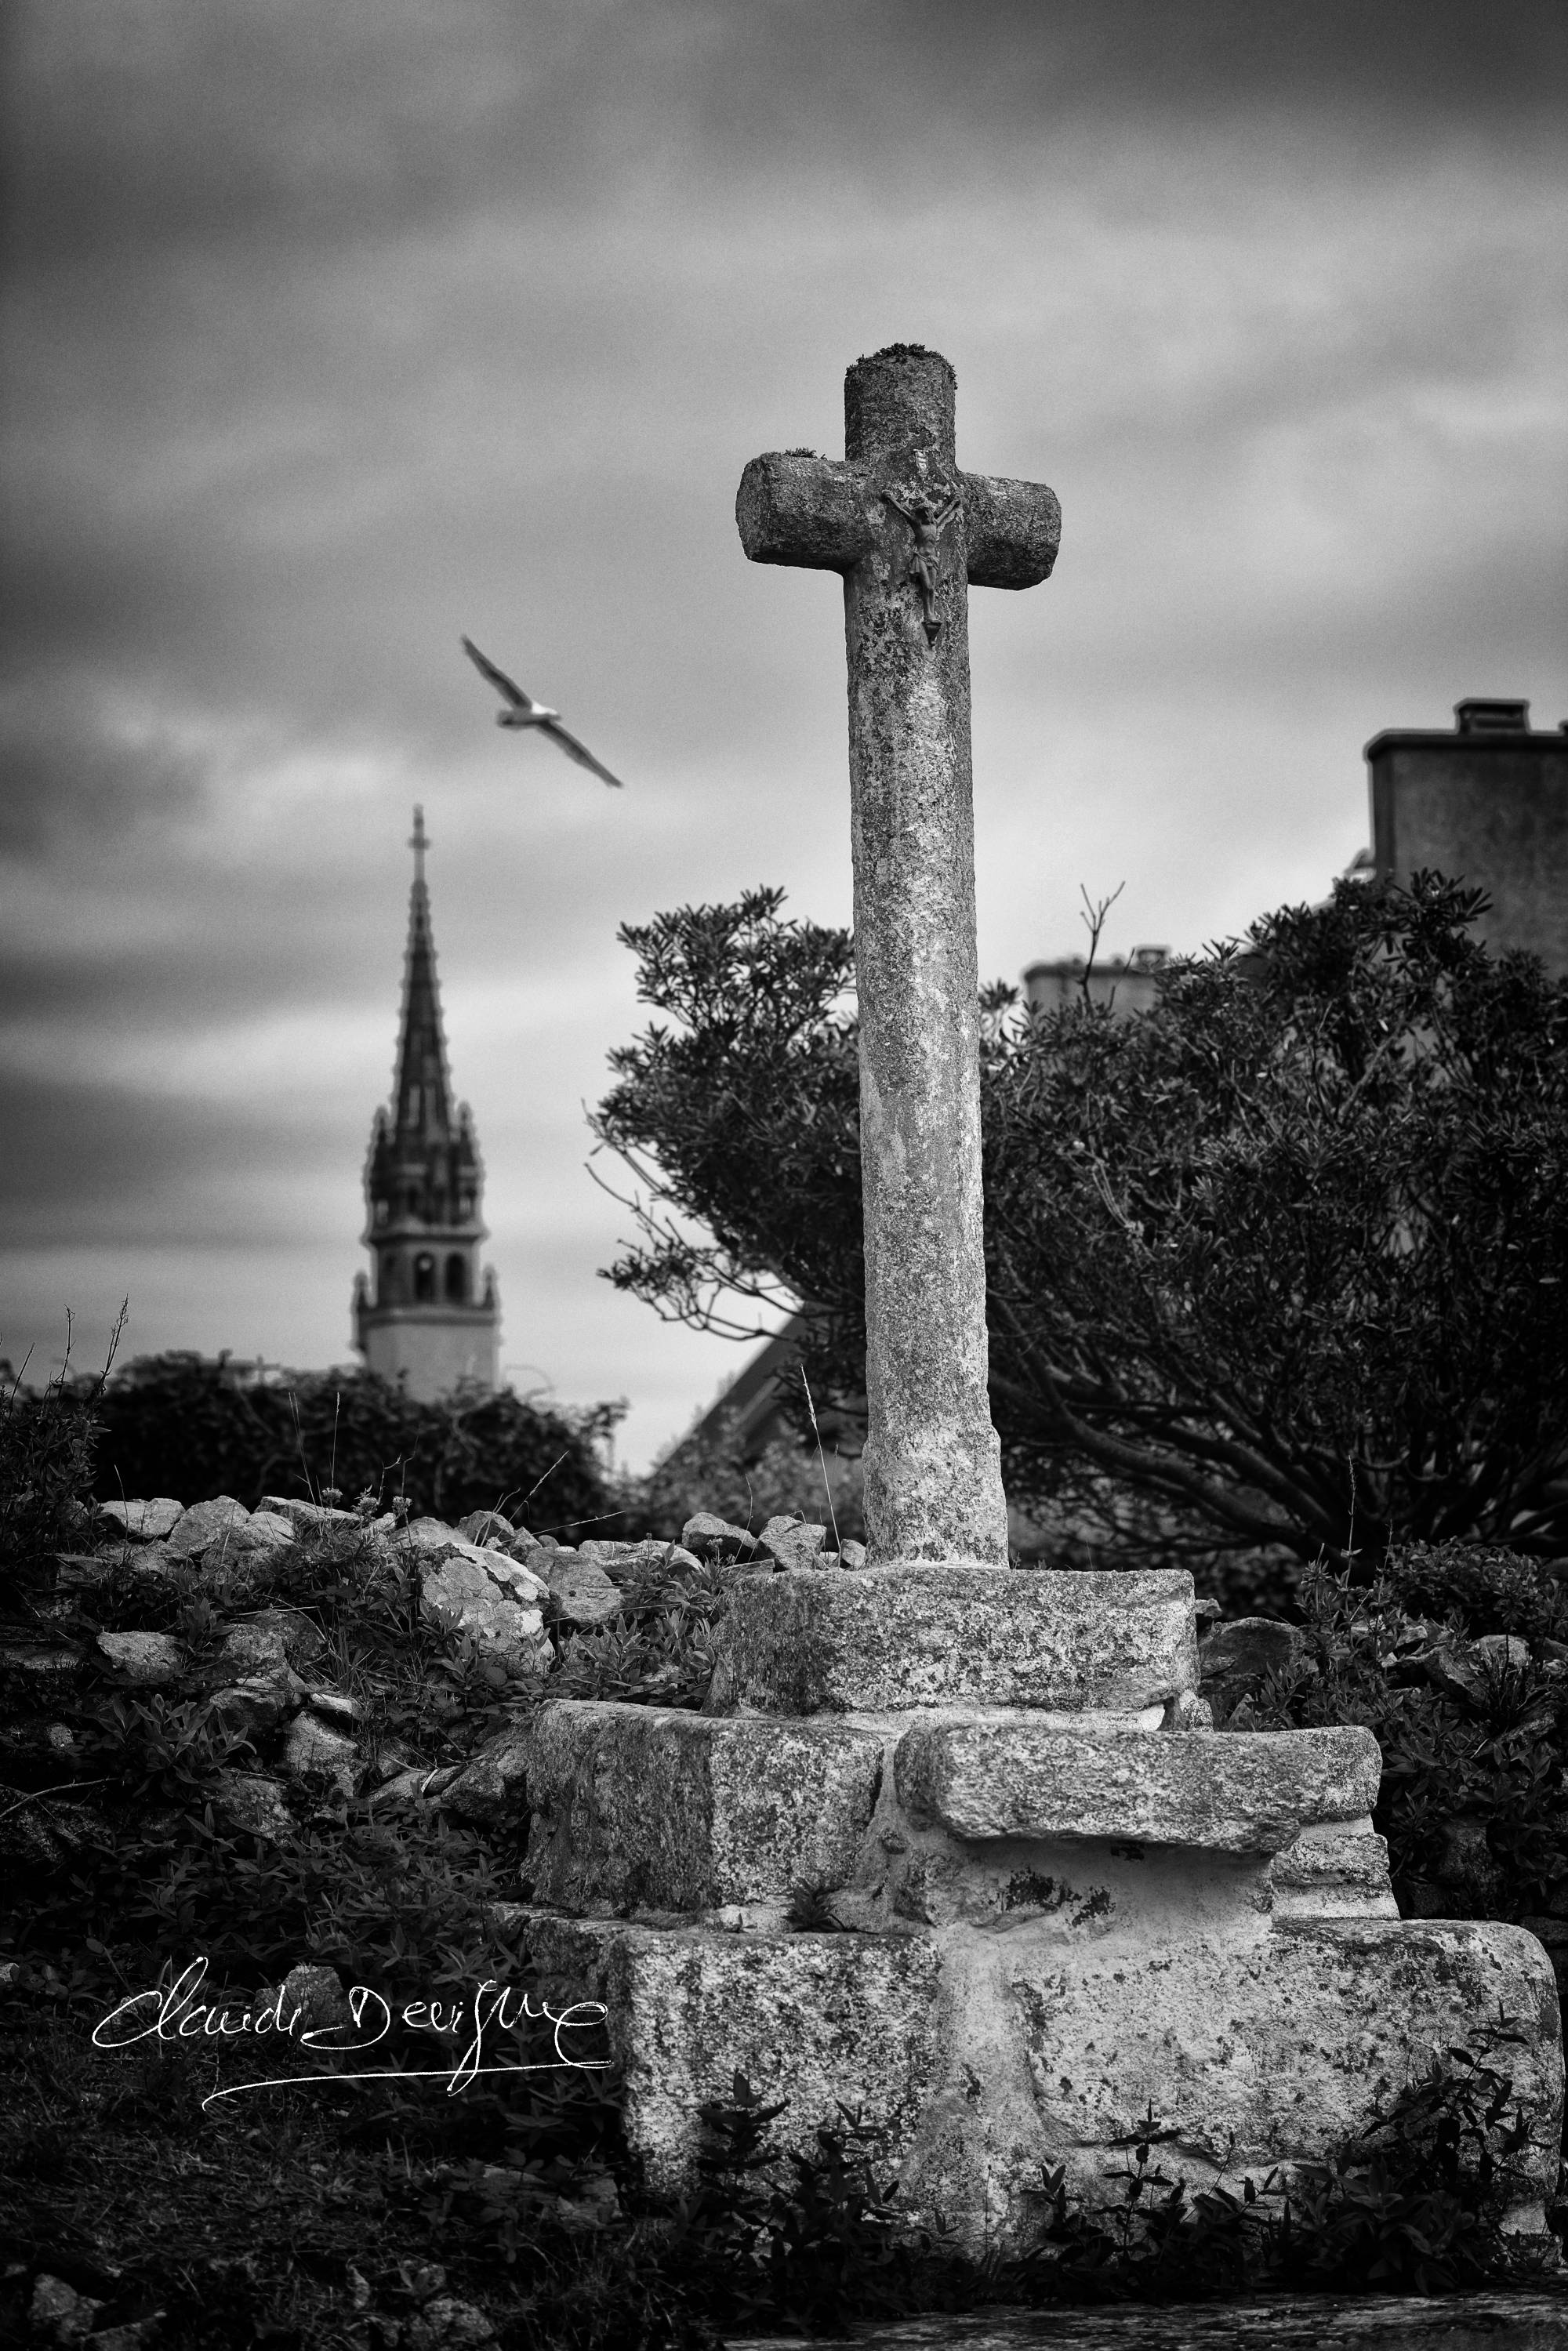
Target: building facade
1123, 988
1487, 804
426, 1314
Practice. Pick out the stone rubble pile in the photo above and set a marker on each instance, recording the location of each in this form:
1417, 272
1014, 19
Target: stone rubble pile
483, 1578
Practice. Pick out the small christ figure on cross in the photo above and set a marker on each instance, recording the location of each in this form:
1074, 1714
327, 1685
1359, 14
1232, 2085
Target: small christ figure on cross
927, 524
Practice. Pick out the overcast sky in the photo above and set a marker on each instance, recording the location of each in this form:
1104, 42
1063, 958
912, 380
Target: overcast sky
334, 332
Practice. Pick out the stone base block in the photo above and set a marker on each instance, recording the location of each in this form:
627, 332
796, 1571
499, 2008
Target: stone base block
1242, 1793
638, 1807
889, 1638
991, 2057
825, 2020
1278, 2055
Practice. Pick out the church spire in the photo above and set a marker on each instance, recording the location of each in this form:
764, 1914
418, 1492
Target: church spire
430, 1319
422, 1087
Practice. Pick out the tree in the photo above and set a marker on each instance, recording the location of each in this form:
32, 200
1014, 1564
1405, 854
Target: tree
1278, 1265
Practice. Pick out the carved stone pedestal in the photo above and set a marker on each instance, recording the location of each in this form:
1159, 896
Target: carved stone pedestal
1059, 1903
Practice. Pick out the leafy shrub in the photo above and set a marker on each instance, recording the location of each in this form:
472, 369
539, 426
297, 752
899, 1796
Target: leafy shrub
1278, 1265
185, 1426
1452, 1658
657, 1650
47, 1442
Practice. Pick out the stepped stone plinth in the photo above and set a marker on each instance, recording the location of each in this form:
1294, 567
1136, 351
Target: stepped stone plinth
1047, 1899
952, 1843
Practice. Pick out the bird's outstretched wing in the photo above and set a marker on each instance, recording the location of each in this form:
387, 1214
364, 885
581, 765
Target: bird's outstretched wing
577, 751
497, 677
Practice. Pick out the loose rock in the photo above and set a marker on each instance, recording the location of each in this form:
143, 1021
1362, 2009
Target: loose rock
144, 1520
253, 1648
146, 1660
253, 1805
491, 1598
153, 1563
413, 1785
256, 1705
310, 2000
583, 1592
485, 1526
704, 1529
307, 1517
311, 1748
40, 1741
302, 1640
430, 1535
335, 1706
491, 1787
209, 1526
59, 2313
794, 1542
624, 1561
130, 2336
448, 2324
271, 1526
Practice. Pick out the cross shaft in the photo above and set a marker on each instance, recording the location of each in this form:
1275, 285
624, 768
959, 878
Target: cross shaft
909, 532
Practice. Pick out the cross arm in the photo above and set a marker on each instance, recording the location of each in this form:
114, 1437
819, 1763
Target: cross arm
793, 507
1013, 528
821, 513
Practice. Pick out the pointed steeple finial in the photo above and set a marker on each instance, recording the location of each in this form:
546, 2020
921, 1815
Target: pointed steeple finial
422, 1092
430, 1316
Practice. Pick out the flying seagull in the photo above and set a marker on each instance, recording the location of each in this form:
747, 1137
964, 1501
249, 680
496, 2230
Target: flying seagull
522, 710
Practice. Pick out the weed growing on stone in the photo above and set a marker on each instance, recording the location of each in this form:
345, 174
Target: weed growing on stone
657, 1650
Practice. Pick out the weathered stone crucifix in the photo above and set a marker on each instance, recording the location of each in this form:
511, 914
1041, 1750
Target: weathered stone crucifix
909, 531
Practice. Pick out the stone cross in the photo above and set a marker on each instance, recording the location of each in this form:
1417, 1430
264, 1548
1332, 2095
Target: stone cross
909, 531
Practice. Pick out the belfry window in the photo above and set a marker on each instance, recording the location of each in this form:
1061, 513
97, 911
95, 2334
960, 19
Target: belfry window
457, 1279
423, 1277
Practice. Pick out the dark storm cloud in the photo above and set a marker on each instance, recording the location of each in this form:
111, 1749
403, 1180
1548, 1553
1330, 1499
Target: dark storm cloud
166, 984
156, 1171
63, 774
334, 329
281, 125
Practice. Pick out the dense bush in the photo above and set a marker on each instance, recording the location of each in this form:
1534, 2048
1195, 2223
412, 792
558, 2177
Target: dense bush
1454, 1657
1279, 1267
46, 1445
186, 1425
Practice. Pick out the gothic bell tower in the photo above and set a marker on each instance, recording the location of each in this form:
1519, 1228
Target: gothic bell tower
425, 1314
